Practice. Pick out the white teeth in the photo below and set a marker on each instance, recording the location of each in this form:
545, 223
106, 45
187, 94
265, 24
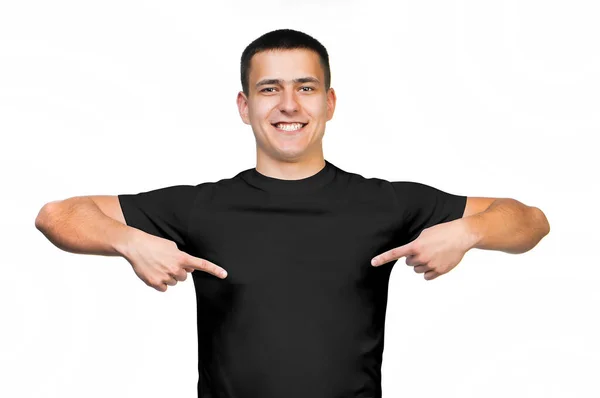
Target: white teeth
289, 126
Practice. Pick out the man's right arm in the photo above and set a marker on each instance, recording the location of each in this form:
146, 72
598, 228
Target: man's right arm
96, 225
87, 225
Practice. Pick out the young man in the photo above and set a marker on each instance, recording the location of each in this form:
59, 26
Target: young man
301, 311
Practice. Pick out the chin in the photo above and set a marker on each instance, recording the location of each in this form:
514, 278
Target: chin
291, 153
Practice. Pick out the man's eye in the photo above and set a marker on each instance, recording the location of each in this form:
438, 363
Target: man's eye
273, 88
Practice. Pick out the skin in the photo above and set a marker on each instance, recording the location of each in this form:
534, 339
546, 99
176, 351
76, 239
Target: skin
505, 224
436, 251
287, 155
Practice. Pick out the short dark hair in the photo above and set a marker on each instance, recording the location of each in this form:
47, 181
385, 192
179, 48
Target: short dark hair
283, 39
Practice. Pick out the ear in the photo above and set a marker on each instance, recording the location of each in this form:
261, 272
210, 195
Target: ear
331, 98
242, 103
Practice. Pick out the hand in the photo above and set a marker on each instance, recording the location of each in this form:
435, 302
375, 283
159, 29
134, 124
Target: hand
436, 251
158, 262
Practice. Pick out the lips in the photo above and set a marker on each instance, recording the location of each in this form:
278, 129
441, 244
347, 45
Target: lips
289, 123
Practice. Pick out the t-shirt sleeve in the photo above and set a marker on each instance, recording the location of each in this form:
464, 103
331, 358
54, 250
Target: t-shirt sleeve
425, 206
163, 212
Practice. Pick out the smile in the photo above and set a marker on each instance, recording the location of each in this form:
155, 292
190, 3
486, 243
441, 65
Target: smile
289, 127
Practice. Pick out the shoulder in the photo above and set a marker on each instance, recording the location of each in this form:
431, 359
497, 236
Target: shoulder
406, 190
368, 189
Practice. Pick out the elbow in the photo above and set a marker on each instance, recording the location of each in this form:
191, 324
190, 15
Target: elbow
41, 217
41, 220
542, 221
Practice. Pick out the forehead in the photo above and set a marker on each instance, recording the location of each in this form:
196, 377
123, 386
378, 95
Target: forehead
285, 64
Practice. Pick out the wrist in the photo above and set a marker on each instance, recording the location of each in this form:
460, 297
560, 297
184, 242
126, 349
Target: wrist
473, 230
124, 240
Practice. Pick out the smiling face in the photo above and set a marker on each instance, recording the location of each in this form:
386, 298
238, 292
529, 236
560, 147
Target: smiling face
287, 105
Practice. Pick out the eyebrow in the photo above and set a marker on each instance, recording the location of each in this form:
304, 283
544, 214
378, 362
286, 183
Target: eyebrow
279, 81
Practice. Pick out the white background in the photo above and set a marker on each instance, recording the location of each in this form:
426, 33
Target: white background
496, 99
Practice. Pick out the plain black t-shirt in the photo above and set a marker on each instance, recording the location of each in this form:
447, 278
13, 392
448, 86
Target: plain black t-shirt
301, 313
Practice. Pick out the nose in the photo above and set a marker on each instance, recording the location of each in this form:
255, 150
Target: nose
288, 102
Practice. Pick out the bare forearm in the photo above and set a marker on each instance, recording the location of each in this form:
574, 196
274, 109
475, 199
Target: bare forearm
507, 225
77, 225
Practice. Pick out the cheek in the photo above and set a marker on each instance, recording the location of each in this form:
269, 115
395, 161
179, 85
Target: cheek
261, 112
316, 108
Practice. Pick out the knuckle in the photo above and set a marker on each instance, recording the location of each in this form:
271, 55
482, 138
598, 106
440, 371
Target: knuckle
178, 276
168, 270
417, 245
182, 257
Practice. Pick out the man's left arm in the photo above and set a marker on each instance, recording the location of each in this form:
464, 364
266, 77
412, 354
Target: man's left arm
503, 224
506, 225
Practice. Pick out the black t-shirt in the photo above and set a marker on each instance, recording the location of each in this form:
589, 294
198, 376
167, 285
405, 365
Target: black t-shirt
301, 313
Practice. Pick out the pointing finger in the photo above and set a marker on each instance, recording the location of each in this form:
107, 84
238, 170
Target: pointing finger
206, 266
393, 254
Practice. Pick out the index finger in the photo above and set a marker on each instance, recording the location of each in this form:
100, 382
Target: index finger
202, 264
393, 254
